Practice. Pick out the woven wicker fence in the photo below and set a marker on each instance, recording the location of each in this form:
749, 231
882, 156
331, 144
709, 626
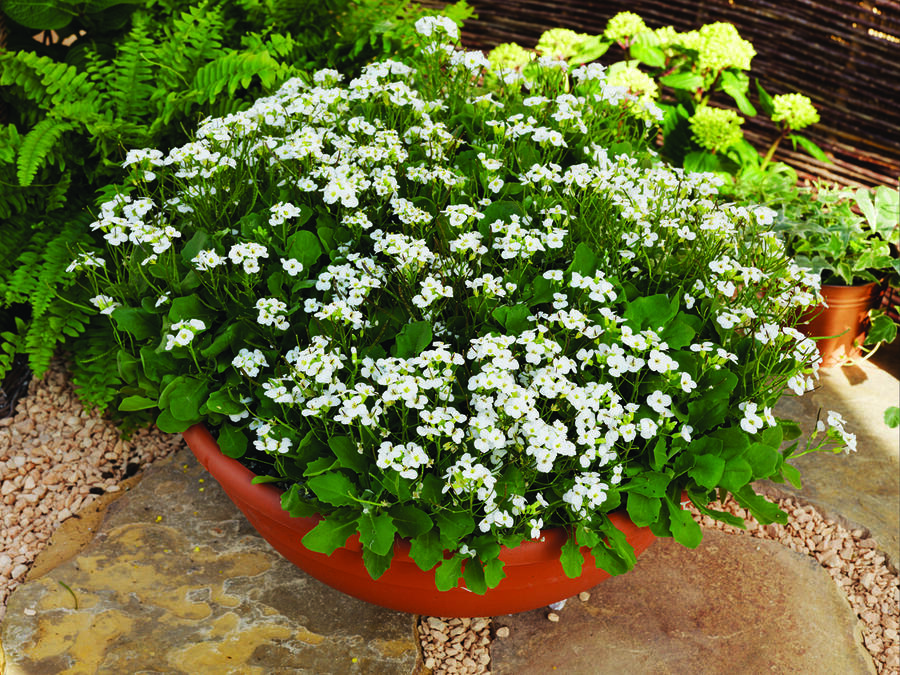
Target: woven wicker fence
843, 54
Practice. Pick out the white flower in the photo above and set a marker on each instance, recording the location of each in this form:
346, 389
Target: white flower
104, 303
292, 266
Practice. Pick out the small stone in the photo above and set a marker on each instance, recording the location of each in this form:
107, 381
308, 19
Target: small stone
553, 616
436, 623
503, 632
584, 596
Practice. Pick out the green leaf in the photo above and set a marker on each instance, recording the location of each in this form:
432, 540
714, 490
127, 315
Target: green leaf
736, 85
447, 575
791, 474
131, 403
583, 261
702, 161
377, 563
454, 525
168, 424
187, 307
648, 484
304, 247
892, 417
762, 509
426, 549
765, 100
514, 319
473, 576
763, 460
184, 396
648, 54
348, 455
413, 338
737, 474
38, 14
260, 480
222, 402
410, 520
232, 442
679, 333
320, 466
294, 504
684, 528
653, 311
881, 329
231, 336
689, 81
329, 535
376, 532
137, 322
571, 558
493, 572
642, 510
708, 470
722, 516
810, 147
333, 488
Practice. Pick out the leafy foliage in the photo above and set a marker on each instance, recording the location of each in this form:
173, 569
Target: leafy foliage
117, 75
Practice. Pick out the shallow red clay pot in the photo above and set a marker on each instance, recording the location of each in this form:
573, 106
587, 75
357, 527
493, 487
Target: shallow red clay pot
843, 323
534, 575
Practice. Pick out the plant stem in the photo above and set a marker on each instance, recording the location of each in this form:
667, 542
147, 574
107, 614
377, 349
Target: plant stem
772, 149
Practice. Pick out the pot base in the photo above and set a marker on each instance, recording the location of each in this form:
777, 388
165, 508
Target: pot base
534, 575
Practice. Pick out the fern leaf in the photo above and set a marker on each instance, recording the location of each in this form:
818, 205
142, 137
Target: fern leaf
130, 87
38, 144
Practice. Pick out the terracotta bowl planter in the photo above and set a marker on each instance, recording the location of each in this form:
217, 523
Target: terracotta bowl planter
534, 575
843, 323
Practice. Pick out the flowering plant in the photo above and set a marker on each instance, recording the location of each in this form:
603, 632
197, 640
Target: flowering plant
458, 314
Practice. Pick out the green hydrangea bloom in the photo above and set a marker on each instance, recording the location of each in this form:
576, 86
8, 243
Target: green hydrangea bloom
795, 110
560, 43
634, 80
720, 46
510, 56
668, 36
715, 128
624, 25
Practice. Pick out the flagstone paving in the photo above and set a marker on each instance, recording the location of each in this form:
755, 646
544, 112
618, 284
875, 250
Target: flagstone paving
175, 581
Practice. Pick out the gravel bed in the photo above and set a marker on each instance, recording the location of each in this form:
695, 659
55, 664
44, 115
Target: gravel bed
56, 458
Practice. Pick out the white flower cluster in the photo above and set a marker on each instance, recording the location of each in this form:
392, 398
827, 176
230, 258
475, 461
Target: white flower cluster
183, 333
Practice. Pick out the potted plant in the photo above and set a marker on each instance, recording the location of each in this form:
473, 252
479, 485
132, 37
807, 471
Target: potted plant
843, 236
456, 322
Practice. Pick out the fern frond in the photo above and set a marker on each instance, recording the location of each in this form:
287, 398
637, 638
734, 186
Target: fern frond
131, 84
45, 332
93, 359
45, 82
11, 343
38, 145
52, 279
234, 70
10, 141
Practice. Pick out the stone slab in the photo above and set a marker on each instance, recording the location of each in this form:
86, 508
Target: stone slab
863, 487
176, 581
733, 605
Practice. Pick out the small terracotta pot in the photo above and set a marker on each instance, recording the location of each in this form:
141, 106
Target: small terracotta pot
534, 575
843, 323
